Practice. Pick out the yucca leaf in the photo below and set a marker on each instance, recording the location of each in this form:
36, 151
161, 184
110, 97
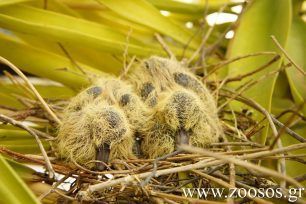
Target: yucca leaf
99, 60
25, 172
20, 141
296, 48
68, 30
190, 8
144, 13
10, 2
9, 101
42, 63
140, 32
273, 17
12, 188
48, 92
54, 5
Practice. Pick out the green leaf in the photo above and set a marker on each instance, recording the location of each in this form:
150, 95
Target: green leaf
12, 189
102, 61
69, 30
54, 5
261, 20
296, 48
10, 101
10, 2
42, 63
144, 13
48, 92
25, 172
20, 141
189, 8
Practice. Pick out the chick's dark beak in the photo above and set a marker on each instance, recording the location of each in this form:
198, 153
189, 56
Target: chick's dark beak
102, 154
182, 137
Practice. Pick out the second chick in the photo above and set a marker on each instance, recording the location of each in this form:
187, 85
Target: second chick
182, 109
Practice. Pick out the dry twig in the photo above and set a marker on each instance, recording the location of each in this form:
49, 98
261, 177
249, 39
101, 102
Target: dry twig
6, 119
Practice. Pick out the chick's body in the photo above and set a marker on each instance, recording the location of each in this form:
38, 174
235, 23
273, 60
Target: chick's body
182, 109
100, 123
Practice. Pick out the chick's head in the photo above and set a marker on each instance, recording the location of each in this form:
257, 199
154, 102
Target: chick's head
96, 124
181, 109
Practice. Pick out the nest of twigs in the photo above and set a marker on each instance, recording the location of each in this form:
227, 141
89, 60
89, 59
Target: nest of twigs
232, 163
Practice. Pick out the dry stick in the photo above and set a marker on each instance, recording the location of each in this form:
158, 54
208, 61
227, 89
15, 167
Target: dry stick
63, 195
42, 134
241, 163
281, 164
210, 50
71, 71
155, 166
125, 53
21, 157
239, 77
232, 169
216, 67
19, 85
289, 156
292, 111
227, 185
164, 46
130, 178
301, 178
200, 164
219, 86
255, 105
205, 38
288, 130
202, 26
241, 136
265, 153
283, 129
41, 147
181, 185
282, 161
55, 185
287, 56
242, 89
246, 86
126, 70
252, 144
169, 201
71, 59
258, 107
44, 104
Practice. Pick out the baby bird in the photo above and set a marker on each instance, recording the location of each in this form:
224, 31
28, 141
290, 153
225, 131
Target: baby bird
182, 109
99, 124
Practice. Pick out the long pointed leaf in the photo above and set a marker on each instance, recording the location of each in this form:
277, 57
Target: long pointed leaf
12, 188
296, 48
10, 2
42, 63
144, 13
261, 20
69, 30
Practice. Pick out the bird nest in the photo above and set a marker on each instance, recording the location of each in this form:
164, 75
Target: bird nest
228, 161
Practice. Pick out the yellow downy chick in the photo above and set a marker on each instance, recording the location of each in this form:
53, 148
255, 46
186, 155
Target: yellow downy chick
182, 109
100, 123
